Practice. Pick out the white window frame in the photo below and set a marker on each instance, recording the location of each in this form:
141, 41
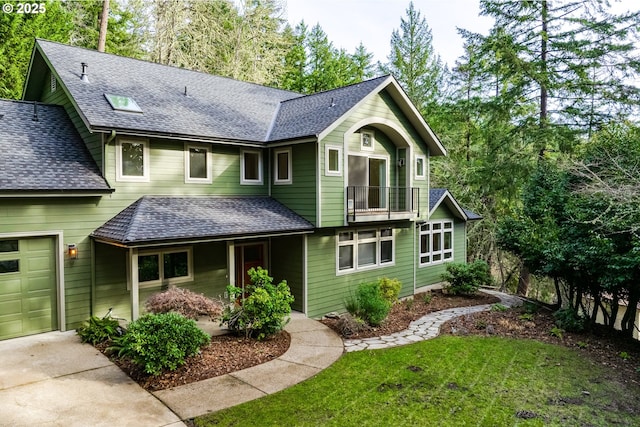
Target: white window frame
173, 280
378, 239
327, 150
423, 175
371, 138
145, 161
187, 164
244, 181
427, 229
276, 167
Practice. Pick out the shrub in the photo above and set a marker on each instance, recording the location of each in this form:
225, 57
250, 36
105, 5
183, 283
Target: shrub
569, 320
96, 330
350, 325
264, 312
390, 289
190, 304
162, 341
374, 308
427, 297
466, 279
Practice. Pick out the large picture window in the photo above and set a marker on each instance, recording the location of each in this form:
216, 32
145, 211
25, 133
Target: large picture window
436, 242
251, 167
366, 248
165, 267
132, 160
197, 164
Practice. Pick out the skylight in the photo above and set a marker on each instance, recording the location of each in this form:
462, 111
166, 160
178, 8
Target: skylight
123, 103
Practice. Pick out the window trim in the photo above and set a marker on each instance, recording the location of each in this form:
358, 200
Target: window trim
187, 164
354, 243
424, 167
145, 160
171, 281
442, 251
371, 136
244, 181
327, 170
276, 168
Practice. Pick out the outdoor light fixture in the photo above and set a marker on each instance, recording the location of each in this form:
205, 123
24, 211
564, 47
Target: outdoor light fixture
72, 249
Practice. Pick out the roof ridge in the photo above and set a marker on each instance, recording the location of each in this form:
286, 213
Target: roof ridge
323, 92
128, 234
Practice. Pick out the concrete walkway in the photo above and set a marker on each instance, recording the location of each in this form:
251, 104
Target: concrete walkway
426, 327
314, 347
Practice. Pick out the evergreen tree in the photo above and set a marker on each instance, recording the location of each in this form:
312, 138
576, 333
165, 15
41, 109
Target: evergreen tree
414, 62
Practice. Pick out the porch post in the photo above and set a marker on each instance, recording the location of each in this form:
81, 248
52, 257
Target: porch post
135, 289
231, 264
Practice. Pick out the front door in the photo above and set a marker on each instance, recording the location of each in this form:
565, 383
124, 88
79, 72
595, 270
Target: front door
247, 257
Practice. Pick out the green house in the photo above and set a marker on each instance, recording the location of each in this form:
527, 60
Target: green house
120, 177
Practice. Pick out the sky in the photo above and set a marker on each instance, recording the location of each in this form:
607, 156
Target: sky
349, 22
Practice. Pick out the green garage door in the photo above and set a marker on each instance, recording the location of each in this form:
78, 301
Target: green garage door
27, 286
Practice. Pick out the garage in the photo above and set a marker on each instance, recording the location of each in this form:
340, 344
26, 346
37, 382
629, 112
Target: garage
28, 303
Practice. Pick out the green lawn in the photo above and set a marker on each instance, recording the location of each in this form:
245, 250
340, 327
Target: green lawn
449, 381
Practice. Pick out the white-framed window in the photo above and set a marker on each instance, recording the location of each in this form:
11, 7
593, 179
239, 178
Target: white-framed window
132, 160
436, 242
421, 167
282, 166
164, 267
333, 160
251, 167
197, 164
366, 140
364, 249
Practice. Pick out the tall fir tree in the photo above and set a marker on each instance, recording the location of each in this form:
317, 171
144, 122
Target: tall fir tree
414, 62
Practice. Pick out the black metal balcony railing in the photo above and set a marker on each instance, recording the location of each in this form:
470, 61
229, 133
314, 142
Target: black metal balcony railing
382, 200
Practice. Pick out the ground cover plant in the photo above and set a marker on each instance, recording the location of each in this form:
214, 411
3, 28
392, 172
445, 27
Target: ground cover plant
450, 381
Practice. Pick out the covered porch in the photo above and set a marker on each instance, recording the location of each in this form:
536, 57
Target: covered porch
199, 243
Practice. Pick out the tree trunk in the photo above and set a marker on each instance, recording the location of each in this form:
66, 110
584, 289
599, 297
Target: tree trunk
523, 281
628, 322
104, 21
556, 284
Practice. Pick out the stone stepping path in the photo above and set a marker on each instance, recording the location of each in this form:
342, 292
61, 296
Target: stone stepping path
427, 327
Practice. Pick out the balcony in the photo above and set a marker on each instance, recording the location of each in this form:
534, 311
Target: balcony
382, 203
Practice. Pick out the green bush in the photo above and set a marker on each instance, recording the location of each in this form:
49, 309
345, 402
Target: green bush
374, 308
96, 330
264, 312
569, 320
466, 279
162, 341
390, 289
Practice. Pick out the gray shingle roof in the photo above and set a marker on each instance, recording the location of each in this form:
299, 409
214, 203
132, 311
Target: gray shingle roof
44, 155
436, 196
216, 107
310, 115
154, 219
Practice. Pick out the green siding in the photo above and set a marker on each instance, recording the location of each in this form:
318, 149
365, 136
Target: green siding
329, 290
287, 264
300, 195
333, 187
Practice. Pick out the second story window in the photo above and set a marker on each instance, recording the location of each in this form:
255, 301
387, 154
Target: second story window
132, 160
333, 161
282, 166
251, 167
197, 164
421, 167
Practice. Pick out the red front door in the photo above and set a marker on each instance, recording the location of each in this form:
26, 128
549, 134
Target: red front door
247, 257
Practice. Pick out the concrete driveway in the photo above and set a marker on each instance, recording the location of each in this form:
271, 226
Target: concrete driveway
52, 379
